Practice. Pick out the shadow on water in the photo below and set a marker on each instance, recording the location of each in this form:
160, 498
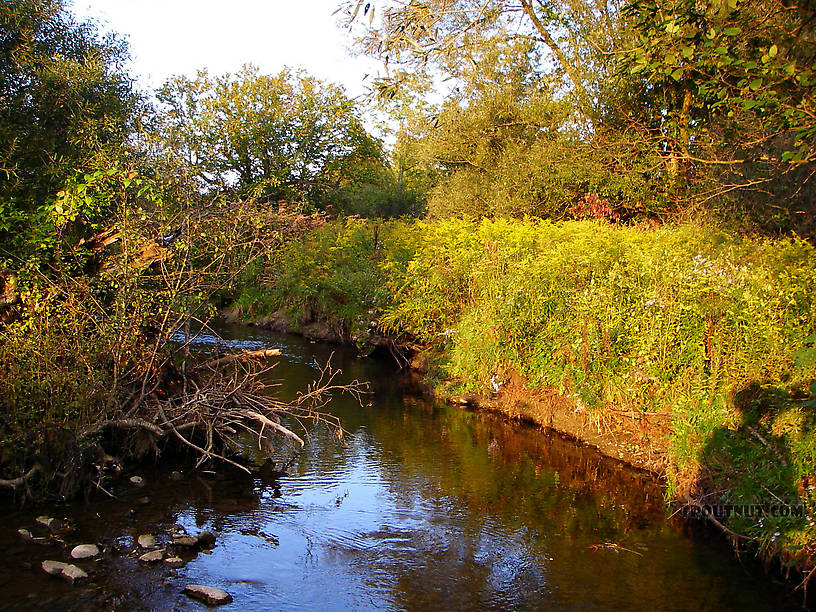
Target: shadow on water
425, 507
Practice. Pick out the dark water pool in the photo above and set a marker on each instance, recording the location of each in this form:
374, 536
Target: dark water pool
426, 507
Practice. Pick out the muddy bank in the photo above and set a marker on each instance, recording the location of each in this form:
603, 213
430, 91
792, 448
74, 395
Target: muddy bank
638, 440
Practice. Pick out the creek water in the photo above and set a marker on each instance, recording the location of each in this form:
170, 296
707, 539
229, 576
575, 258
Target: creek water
425, 507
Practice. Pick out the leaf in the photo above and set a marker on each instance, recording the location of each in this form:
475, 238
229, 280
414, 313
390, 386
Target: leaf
677, 74
773, 51
755, 84
732, 31
687, 52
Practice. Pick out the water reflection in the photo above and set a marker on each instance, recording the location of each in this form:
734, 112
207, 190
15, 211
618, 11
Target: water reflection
426, 507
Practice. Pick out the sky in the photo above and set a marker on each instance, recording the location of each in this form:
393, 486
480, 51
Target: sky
171, 37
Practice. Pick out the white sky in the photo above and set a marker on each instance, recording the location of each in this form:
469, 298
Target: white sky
170, 37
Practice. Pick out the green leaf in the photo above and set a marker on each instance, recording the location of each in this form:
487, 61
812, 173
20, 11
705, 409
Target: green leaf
772, 51
732, 31
755, 84
687, 52
677, 74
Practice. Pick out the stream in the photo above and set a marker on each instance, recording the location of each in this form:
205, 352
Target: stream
425, 507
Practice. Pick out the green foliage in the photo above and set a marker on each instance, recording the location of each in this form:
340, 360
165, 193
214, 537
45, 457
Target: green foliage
726, 89
338, 273
65, 104
287, 136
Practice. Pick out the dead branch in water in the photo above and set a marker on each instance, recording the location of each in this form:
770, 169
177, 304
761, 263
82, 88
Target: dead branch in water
220, 397
246, 355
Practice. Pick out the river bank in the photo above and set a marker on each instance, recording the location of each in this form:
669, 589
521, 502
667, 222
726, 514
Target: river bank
683, 350
635, 439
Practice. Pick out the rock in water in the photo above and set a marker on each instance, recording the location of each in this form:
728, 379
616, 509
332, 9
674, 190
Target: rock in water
184, 540
46, 521
206, 540
137, 480
84, 551
209, 595
152, 557
174, 562
147, 541
73, 574
53, 568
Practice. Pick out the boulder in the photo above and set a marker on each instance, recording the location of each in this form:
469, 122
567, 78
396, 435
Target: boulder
72, 574
47, 521
184, 540
209, 595
206, 540
174, 562
53, 568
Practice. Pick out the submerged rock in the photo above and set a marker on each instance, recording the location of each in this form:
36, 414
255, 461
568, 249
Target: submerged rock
153, 556
209, 595
147, 541
176, 475
137, 481
84, 551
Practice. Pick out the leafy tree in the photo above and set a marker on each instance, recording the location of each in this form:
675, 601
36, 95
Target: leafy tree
288, 136
65, 106
728, 90
569, 40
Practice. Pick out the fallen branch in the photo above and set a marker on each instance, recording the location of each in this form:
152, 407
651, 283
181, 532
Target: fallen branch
17, 482
707, 513
123, 424
276, 426
216, 363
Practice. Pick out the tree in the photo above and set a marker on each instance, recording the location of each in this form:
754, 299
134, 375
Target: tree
65, 107
288, 136
728, 88
570, 40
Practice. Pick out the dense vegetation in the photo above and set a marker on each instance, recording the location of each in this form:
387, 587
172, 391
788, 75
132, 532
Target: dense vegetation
619, 210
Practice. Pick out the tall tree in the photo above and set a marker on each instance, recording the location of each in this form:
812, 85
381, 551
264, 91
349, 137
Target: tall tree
570, 40
285, 136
